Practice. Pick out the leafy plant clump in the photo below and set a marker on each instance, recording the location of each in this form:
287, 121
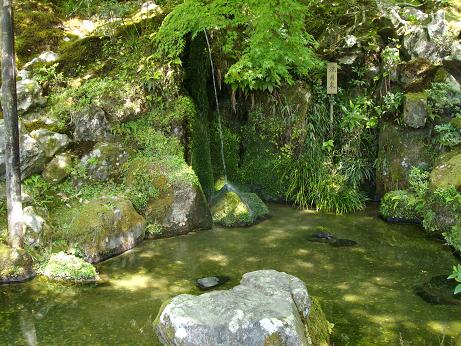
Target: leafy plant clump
266, 41
456, 275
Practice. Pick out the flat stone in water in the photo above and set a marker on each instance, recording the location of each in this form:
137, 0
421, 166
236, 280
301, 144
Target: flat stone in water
211, 282
343, 243
322, 237
439, 291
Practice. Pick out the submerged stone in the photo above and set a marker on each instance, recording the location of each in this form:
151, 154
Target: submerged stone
267, 308
343, 243
439, 291
211, 282
322, 237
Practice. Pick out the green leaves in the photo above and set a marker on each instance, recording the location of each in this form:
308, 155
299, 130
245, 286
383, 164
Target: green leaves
266, 41
456, 275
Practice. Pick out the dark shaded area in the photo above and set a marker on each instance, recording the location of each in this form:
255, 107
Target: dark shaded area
439, 291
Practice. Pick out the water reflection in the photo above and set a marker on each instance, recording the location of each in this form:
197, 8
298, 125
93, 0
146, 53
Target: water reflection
366, 290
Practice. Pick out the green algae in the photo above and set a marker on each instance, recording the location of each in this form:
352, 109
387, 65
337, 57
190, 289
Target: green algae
366, 291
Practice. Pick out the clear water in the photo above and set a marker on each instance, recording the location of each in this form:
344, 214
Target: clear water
366, 291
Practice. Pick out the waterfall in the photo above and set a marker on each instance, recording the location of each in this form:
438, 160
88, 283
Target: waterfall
217, 106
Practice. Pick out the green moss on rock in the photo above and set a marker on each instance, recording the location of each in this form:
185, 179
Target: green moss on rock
36, 28
15, 265
317, 326
105, 227
64, 267
447, 171
232, 209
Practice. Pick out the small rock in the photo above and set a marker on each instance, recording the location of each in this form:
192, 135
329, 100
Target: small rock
32, 155
59, 168
104, 162
51, 142
91, 125
415, 110
47, 56
34, 226
211, 282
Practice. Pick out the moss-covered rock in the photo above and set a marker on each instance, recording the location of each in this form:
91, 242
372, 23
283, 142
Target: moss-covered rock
399, 206
318, 328
168, 194
231, 208
447, 171
64, 267
51, 142
103, 163
15, 265
58, 169
105, 227
400, 149
415, 110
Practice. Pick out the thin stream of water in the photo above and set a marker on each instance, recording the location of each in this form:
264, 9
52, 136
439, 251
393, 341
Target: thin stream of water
217, 106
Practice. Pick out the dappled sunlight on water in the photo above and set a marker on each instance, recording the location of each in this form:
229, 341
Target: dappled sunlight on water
366, 290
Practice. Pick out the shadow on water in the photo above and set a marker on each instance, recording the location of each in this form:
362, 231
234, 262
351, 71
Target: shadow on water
366, 290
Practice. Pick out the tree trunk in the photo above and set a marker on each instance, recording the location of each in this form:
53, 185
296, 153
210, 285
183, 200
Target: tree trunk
10, 115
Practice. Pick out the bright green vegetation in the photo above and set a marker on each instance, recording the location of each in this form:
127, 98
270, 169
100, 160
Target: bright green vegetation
439, 208
233, 209
366, 291
456, 275
399, 205
256, 65
63, 267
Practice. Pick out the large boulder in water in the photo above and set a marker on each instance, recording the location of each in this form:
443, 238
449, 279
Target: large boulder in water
267, 308
106, 227
231, 208
15, 265
168, 194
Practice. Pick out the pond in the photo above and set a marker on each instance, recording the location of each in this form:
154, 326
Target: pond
366, 290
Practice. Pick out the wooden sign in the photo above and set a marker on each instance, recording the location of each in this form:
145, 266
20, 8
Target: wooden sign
332, 78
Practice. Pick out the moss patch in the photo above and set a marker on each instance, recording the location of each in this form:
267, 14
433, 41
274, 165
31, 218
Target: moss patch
317, 326
232, 209
447, 172
36, 29
15, 265
63, 267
